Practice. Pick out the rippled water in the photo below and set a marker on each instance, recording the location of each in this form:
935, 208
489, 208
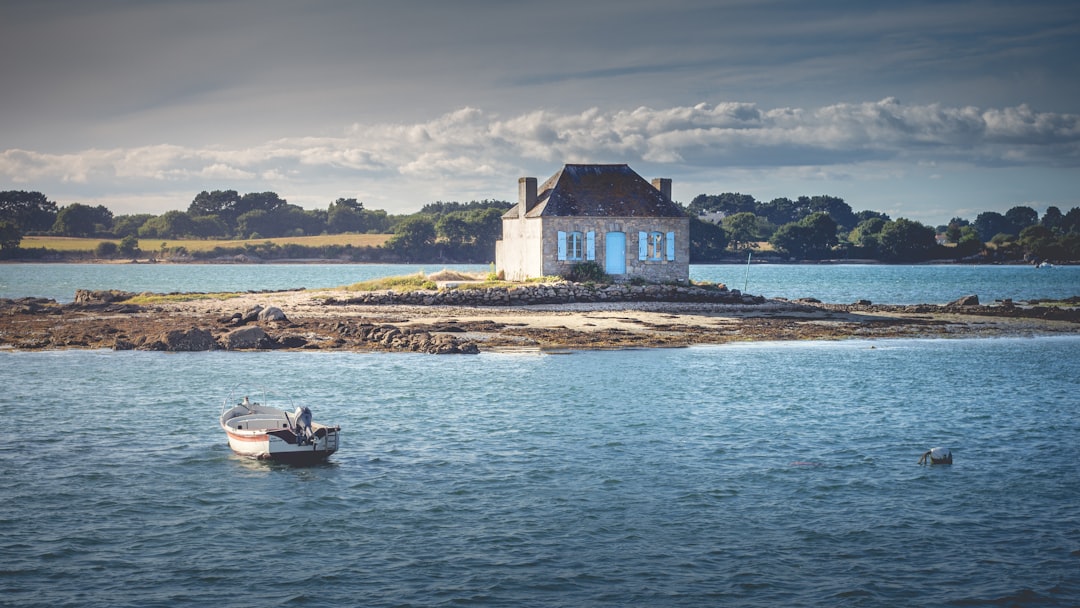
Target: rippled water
769, 474
835, 283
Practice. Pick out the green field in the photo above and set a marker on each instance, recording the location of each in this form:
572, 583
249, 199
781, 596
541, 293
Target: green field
60, 243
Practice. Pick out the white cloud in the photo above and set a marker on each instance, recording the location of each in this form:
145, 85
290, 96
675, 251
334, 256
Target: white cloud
474, 149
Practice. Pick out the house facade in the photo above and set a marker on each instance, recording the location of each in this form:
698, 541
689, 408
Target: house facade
606, 214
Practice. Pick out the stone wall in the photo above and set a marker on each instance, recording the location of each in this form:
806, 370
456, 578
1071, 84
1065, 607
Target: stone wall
529, 246
552, 293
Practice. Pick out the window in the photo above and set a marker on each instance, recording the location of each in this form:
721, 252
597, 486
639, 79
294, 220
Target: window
576, 246
653, 246
656, 246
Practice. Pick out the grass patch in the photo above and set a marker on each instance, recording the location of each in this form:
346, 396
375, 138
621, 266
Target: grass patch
1071, 302
409, 282
454, 275
420, 281
158, 298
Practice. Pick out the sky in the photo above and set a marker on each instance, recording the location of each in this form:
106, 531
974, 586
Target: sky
925, 110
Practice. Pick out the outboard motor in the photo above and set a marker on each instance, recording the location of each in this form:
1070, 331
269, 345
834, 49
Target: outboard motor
302, 423
936, 456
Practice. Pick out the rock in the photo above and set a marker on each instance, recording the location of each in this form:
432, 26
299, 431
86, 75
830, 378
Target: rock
88, 297
293, 342
862, 303
972, 300
271, 313
251, 314
180, 340
122, 344
246, 338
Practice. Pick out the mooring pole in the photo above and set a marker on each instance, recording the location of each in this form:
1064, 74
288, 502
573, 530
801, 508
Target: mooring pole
746, 277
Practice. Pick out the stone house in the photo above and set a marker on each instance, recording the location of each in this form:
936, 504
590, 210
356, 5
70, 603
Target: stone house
606, 214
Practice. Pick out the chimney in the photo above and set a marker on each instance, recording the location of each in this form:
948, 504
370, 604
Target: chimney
663, 184
526, 195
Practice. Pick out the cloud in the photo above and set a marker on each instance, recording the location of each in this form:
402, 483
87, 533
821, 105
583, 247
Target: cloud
472, 146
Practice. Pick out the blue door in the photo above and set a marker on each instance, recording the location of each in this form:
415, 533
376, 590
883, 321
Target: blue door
615, 253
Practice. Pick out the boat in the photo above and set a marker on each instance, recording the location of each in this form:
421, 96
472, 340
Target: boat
262, 432
936, 456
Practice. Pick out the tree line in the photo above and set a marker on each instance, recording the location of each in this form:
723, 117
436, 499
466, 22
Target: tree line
722, 228
826, 227
446, 231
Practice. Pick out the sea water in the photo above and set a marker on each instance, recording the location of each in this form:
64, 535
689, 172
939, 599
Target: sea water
763, 474
833, 283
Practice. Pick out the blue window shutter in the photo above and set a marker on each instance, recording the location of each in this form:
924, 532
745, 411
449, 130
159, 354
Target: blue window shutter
671, 246
562, 245
642, 244
590, 245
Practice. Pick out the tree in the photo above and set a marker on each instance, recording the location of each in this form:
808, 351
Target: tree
953, 229
867, 234
453, 228
1039, 241
10, 235
378, 221
707, 240
1052, 219
169, 225
123, 225
1021, 217
256, 224
413, 237
1071, 221
208, 226
905, 240
285, 220
728, 203
486, 227
778, 211
744, 229
260, 201
345, 215
223, 204
866, 214
82, 220
228, 206
837, 209
439, 208
29, 211
989, 223
129, 245
105, 249
968, 243
811, 237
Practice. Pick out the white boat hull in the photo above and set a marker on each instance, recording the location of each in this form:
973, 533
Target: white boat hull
264, 433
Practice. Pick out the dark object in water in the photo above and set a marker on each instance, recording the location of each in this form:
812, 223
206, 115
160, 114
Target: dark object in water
936, 456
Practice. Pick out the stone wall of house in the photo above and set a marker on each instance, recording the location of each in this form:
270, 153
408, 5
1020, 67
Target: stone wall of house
552, 293
657, 271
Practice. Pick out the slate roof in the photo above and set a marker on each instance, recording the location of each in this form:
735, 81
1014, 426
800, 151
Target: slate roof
600, 191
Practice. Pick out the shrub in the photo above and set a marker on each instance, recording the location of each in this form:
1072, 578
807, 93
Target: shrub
106, 249
129, 245
587, 272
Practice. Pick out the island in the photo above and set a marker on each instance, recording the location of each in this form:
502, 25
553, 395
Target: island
456, 320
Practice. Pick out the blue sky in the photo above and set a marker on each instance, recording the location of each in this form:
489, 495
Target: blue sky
925, 110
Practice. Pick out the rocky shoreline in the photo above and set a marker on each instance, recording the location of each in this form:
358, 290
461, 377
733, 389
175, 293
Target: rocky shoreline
468, 321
